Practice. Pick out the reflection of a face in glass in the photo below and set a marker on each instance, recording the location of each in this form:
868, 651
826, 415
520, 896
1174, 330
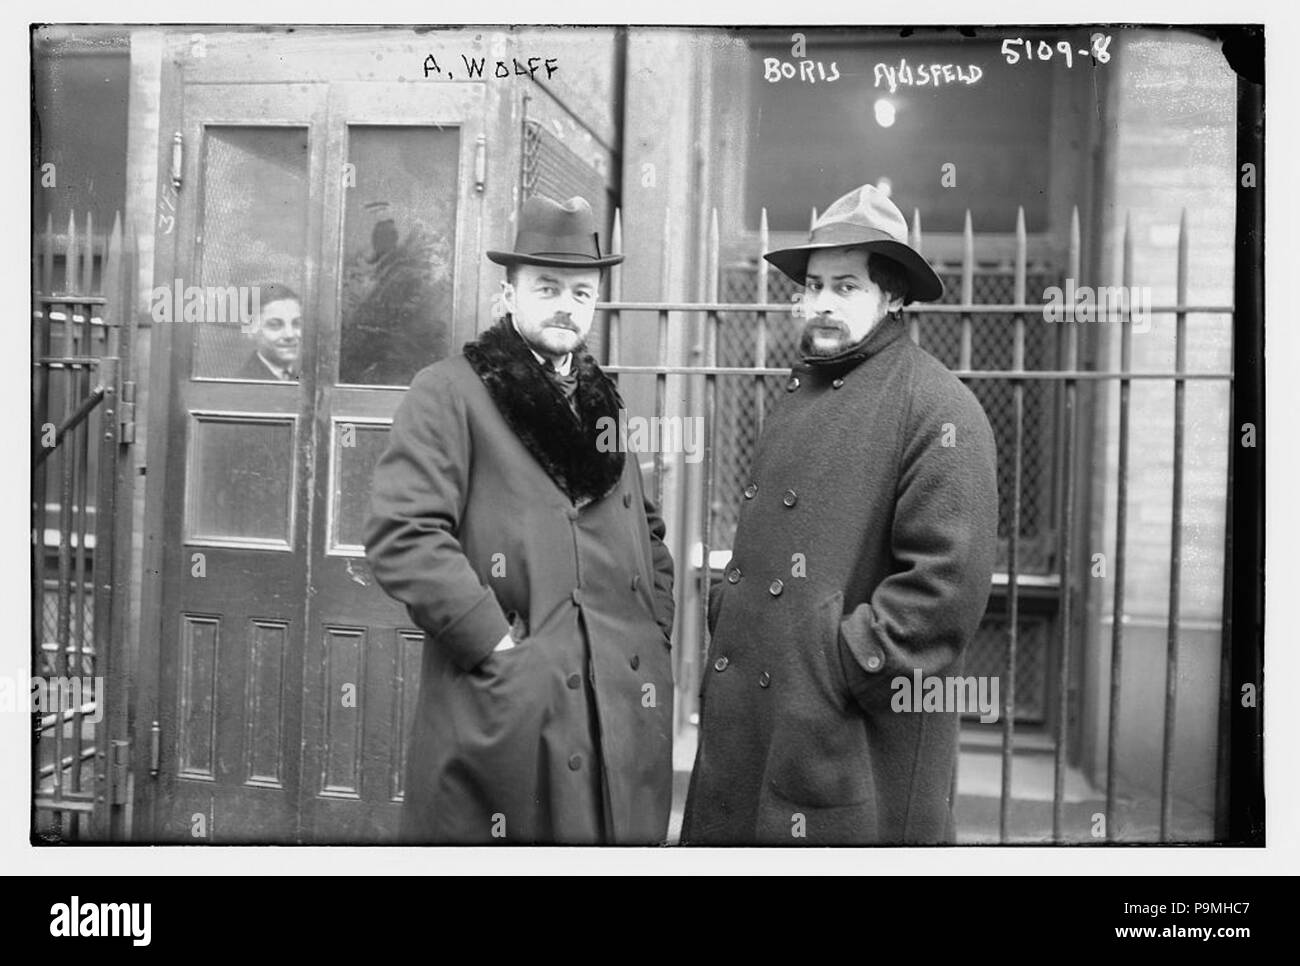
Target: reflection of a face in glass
553, 308
278, 333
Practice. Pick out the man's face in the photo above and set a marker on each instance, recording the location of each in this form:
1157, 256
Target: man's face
553, 307
841, 303
278, 335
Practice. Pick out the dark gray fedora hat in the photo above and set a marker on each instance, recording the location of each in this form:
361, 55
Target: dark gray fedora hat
560, 234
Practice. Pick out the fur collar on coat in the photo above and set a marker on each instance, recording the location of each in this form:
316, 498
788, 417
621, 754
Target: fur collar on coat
534, 407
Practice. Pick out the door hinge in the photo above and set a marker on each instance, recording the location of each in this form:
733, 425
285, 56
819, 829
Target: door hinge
178, 157
126, 413
155, 748
480, 163
121, 771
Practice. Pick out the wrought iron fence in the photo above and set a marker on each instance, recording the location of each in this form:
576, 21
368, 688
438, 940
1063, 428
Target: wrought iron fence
1029, 381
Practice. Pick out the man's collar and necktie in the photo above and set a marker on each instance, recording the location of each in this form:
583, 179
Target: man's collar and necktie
561, 371
281, 373
562, 375
560, 368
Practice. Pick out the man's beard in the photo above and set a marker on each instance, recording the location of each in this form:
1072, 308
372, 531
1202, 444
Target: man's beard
540, 338
823, 337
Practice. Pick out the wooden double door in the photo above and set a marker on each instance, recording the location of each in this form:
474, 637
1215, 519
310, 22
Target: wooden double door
286, 678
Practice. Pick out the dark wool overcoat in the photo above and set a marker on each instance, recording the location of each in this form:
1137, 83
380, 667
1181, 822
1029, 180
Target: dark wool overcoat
864, 549
493, 507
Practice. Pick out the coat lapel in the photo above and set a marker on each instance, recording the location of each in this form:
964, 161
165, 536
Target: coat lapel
535, 409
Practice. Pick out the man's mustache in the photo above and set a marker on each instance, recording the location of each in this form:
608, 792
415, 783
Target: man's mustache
825, 322
561, 322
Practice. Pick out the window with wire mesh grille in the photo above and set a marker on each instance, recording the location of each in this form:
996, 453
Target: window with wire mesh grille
992, 337
79, 658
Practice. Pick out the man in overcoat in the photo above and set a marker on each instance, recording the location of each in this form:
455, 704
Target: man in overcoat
535, 565
863, 555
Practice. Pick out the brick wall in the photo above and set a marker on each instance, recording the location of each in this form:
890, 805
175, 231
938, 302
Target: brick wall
1173, 148
1170, 146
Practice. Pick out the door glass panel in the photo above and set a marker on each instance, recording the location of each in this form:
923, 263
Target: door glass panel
398, 250
252, 254
357, 448
241, 480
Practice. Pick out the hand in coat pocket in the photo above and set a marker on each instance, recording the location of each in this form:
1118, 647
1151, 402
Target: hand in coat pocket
817, 749
509, 641
830, 616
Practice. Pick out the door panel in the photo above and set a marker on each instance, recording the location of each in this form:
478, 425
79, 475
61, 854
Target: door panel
236, 524
356, 447
242, 480
403, 267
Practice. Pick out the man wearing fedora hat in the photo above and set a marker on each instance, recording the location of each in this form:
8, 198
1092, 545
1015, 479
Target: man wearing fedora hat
863, 556
536, 567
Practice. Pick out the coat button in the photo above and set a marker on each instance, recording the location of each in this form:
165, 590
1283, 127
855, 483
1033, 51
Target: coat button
790, 498
837, 382
575, 681
572, 513
627, 499
764, 680
733, 575
575, 762
636, 581
793, 384
776, 587
635, 662
873, 662
750, 491
721, 663
577, 595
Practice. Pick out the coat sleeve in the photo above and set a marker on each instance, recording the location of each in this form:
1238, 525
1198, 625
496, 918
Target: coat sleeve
944, 543
417, 499
665, 606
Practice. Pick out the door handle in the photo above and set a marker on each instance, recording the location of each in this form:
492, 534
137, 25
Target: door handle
155, 748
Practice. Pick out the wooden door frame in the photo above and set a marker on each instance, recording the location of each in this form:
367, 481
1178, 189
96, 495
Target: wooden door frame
146, 676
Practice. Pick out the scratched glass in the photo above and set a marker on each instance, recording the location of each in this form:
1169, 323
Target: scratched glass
399, 243
357, 448
240, 487
252, 231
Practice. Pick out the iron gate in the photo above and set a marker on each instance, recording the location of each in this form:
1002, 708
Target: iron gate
82, 430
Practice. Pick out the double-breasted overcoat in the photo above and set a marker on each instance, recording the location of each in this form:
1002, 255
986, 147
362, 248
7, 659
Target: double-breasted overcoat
864, 551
